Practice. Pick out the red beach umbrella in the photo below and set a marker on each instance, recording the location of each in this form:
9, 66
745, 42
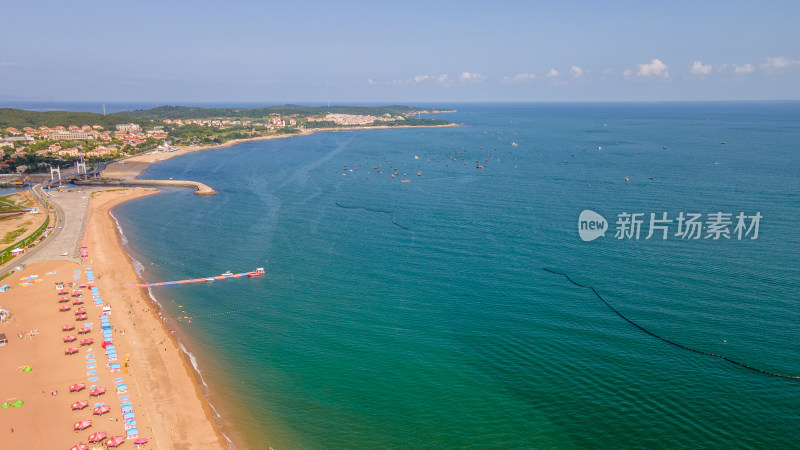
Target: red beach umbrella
97, 437
140, 441
69, 338
78, 301
81, 317
63, 300
100, 410
71, 350
80, 311
115, 441
80, 447
77, 387
87, 341
64, 308
68, 328
82, 425
107, 343
84, 330
97, 391
63, 291
79, 404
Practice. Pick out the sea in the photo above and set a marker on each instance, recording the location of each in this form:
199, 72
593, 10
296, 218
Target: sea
545, 275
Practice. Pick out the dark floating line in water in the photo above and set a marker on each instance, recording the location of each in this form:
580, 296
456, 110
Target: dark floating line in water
791, 377
375, 210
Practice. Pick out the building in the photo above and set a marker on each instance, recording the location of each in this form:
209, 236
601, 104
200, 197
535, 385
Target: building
129, 128
70, 135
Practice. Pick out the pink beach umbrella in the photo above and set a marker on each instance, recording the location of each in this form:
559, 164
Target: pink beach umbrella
79, 405
84, 330
63, 291
80, 447
102, 409
77, 387
82, 425
97, 391
97, 437
140, 441
78, 301
63, 300
69, 338
80, 310
68, 328
70, 351
115, 441
87, 341
81, 317
63, 308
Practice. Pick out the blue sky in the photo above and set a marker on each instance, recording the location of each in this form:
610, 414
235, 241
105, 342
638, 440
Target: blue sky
368, 51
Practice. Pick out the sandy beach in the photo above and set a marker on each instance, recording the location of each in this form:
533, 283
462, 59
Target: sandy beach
170, 410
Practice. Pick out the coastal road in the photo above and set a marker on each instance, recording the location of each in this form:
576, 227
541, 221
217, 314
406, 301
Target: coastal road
64, 242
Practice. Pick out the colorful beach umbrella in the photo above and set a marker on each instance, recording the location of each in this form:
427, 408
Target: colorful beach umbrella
97, 391
84, 330
69, 338
97, 437
87, 341
82, 425
70, 351
80, 447
79, 404
115, 441
63, 308
100, 410
140, 441
77, 387
68, 327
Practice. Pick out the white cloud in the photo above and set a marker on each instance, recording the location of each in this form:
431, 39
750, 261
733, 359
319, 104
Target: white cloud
467, 76
747, 68
443, 78
519, 78
370, 81
655, 68
552, 74
576, 71
699, 69
779, 62
421, 78
627, 73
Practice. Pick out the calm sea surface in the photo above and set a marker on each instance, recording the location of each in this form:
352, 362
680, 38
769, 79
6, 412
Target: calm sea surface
418, 314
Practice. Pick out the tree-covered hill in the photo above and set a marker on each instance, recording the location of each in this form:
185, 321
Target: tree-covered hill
187, 112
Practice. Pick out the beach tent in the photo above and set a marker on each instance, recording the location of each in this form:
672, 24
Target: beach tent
97, 437
82, 425
115, 441
79, 405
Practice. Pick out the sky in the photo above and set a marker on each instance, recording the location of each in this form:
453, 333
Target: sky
410, 51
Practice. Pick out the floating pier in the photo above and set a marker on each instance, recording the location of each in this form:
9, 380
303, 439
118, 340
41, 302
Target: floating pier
227, 275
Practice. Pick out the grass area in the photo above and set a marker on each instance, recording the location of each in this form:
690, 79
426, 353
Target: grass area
12, 235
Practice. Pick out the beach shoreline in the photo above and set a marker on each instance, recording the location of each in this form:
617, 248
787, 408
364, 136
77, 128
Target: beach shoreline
137, 164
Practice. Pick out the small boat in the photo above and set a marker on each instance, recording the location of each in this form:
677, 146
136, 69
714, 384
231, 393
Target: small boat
227, 274
256, 273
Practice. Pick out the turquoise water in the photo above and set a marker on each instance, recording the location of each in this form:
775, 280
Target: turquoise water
418, 315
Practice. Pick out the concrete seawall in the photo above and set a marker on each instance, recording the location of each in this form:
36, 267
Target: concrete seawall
200, 188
